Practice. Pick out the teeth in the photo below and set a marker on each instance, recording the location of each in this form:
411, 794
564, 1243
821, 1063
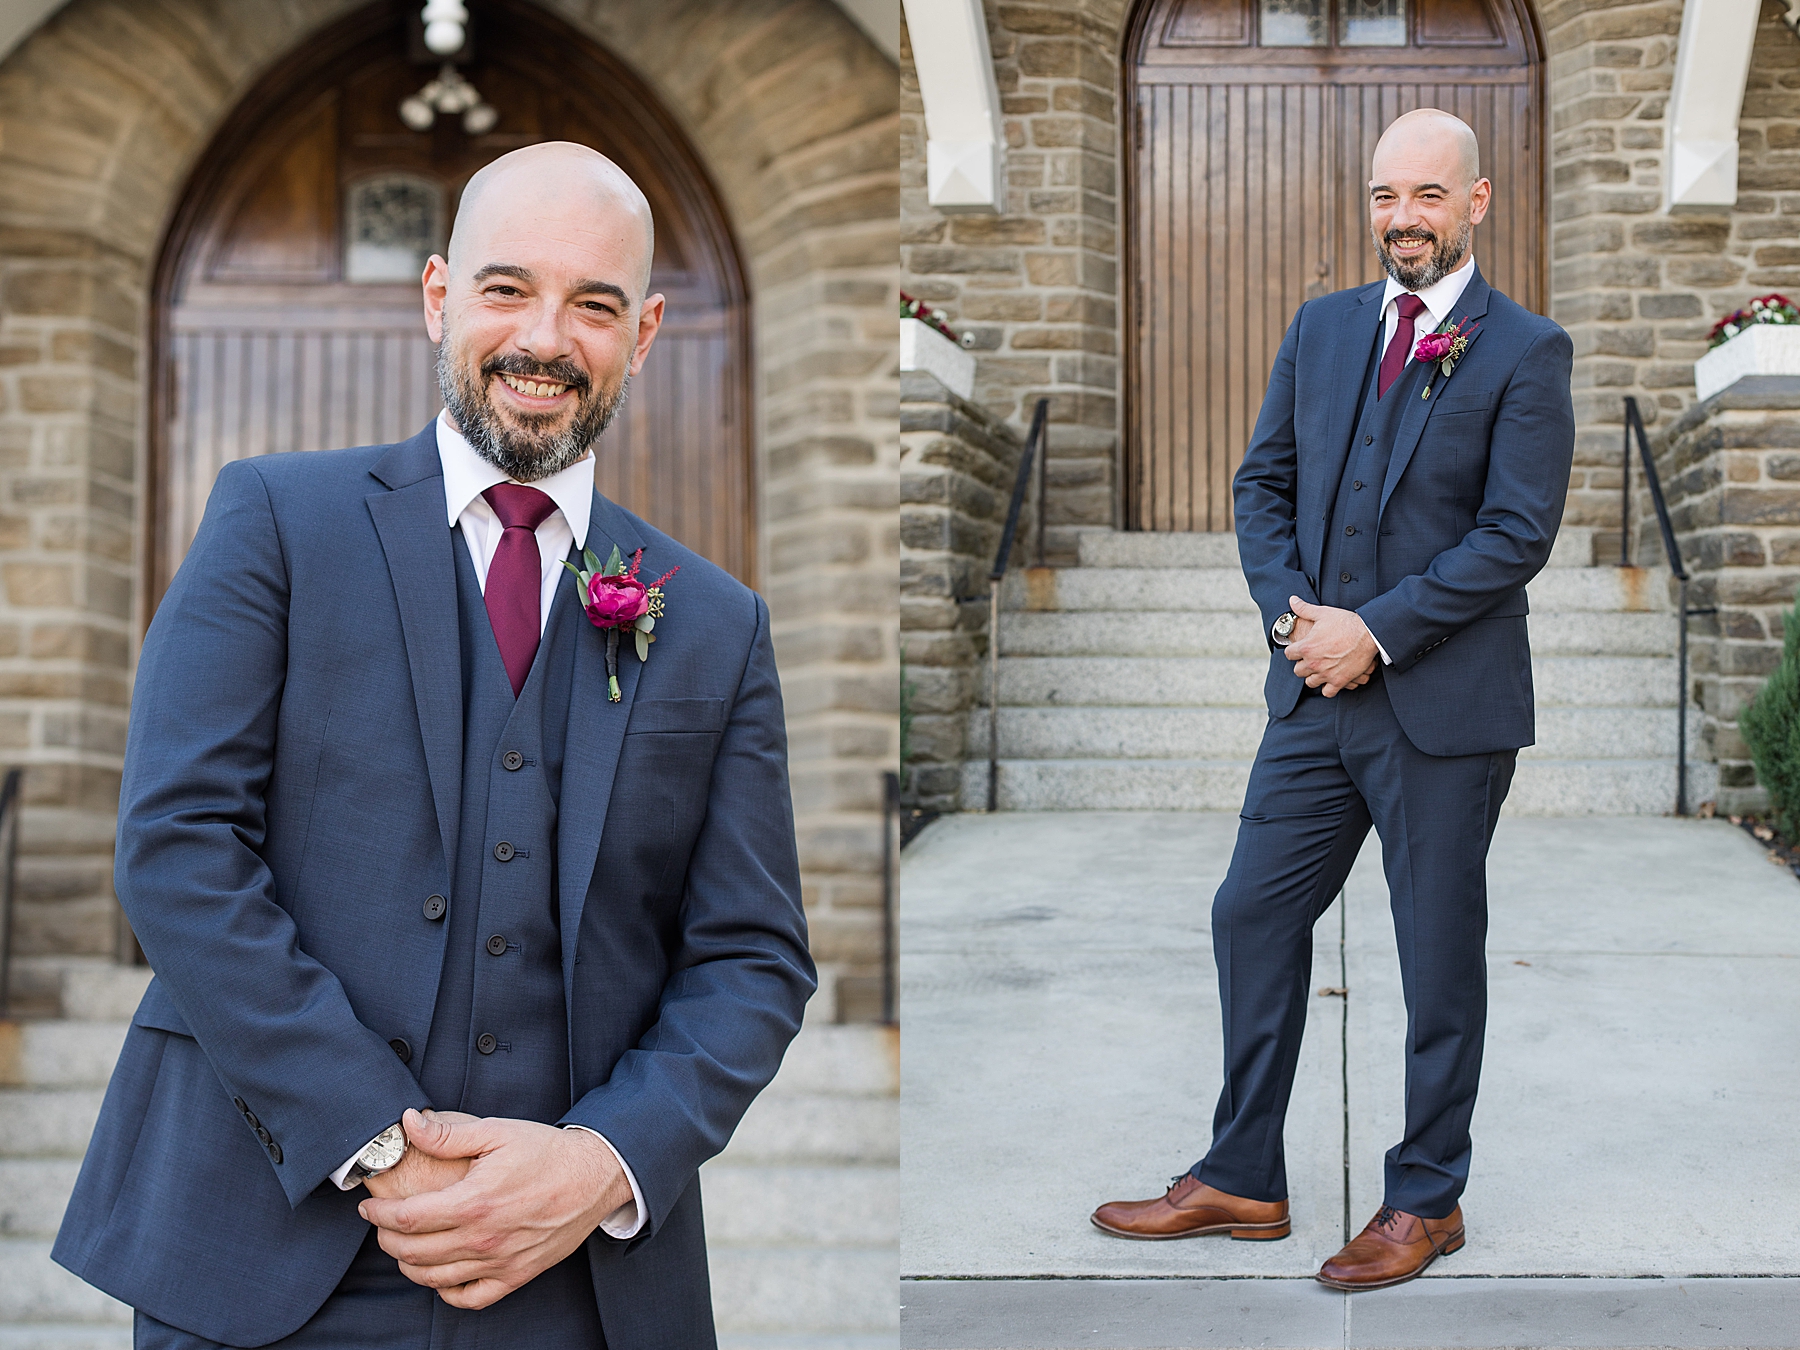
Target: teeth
535, 388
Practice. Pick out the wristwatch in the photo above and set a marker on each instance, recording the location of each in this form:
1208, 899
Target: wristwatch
1282, 630
383, 1153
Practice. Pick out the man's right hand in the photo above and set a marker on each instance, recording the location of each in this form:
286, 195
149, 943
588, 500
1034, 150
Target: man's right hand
417, 1171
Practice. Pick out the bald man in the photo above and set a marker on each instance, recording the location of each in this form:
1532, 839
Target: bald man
475, 929
1391, 507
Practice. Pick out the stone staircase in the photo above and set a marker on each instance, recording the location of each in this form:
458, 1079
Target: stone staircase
1133, 681
802, 1208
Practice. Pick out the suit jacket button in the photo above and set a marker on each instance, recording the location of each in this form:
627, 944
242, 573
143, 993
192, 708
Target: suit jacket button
503, 851
264, 1135
486, 1043
435, 905
250, 1116
512, 759
496, 945
402, 1049
239, 1103
275, 1153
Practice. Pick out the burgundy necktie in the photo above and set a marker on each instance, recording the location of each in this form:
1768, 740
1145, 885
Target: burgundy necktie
1393, 360
515, 577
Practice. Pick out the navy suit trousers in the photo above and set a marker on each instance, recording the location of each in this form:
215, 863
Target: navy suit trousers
1323, 775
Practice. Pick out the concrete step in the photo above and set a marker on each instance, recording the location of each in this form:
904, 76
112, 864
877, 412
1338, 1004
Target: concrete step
805, 1289
797, 1206
1603, 634
53, 1336
828, 1059
35, 1289
1237, 681
47, 1122
1223, 589
1541, 787
784, 1340
1131, 548
1235, 733
47, 1054
33, 1195
811, 1129
103, 992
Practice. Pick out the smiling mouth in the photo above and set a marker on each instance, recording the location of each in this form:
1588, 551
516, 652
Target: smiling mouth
1409, 245
533, 388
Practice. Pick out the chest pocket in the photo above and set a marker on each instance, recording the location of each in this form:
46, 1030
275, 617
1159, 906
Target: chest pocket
1459, 423
668, 757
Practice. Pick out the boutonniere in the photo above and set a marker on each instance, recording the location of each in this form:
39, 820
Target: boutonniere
615, 600
1446, 347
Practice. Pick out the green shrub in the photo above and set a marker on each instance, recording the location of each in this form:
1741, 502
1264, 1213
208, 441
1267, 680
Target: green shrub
1771, 727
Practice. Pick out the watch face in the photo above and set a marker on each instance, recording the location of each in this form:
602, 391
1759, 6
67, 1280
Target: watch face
387, 1149
1284, 625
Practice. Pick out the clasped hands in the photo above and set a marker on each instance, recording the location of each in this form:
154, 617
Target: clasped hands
1332, 649
478, 1206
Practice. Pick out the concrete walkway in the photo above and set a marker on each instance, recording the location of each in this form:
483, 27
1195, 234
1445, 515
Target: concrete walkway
1637, 1144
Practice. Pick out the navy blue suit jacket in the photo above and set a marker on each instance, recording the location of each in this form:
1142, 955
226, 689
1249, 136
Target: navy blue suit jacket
291, 798
1470, 507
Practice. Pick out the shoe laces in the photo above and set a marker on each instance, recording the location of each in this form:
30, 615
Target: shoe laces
1387, 1217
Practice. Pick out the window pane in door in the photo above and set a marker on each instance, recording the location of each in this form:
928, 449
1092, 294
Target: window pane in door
1372, 23
395, 223
1293, 23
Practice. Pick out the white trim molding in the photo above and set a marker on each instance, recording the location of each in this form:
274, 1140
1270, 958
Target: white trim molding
965, 157
1712, 61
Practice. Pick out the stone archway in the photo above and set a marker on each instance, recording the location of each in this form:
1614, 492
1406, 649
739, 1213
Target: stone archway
109, 103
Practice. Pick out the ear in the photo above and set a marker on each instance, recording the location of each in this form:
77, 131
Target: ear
649, 320
436, 285
1479, 197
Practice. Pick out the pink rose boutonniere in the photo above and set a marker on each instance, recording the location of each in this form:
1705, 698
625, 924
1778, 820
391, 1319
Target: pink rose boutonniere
1446, 347
616, 601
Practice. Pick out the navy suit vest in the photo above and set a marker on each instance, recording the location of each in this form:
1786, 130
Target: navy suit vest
499, 1030
1347, 570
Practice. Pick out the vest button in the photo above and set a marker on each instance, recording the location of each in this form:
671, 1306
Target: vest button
435, 905
496, 945
402, 1049
503, 851
1349, 529
1357, 485
486, 1043
1368, 440
512, 759
1343, 576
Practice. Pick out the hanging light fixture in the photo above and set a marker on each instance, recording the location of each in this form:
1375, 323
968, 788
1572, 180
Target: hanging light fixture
446, 30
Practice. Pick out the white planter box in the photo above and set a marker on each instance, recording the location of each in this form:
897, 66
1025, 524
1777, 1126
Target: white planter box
922, 347
1760, 349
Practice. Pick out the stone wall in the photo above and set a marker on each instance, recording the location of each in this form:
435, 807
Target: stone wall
1038, 284
958, 463
1637, 287
102, 111
1731, 469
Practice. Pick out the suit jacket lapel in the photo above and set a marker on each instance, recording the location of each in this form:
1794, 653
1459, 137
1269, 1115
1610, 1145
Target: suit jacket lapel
596, 736
1472, 305
1350, 364
416, 539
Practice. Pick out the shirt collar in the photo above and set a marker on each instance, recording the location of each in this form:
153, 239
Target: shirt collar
467, 475
1441, 296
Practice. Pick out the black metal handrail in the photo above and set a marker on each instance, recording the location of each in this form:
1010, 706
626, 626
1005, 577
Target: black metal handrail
998, 574
890, 831
1634, 423
9, 853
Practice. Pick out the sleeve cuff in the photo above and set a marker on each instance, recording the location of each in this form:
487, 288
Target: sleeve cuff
627, 1221
341, 1177
1386, 660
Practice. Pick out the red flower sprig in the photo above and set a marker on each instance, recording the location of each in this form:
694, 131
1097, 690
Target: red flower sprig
616, 601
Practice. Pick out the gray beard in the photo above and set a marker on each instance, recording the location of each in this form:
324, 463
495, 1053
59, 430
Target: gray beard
522, 456
1444, 258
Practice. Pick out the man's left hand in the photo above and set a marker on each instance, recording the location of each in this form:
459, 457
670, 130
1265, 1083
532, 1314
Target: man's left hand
1338, 652
532, 1195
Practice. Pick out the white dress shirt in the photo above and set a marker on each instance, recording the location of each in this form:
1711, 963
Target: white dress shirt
1440, 298
466, 476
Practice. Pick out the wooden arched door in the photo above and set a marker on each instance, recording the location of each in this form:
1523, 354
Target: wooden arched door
1252, 123
287, 298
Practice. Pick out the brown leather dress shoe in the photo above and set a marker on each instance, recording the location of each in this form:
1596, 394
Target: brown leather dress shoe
1190, 1208
1394, 1248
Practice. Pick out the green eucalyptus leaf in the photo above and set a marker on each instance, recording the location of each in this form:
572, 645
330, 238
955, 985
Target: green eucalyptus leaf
615, 563
645, 623
643, 646
591, 558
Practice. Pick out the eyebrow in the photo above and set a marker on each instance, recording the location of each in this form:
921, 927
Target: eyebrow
585, 286
1422, 187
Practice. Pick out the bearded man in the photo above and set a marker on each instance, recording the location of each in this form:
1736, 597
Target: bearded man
1404, 482
390, 846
